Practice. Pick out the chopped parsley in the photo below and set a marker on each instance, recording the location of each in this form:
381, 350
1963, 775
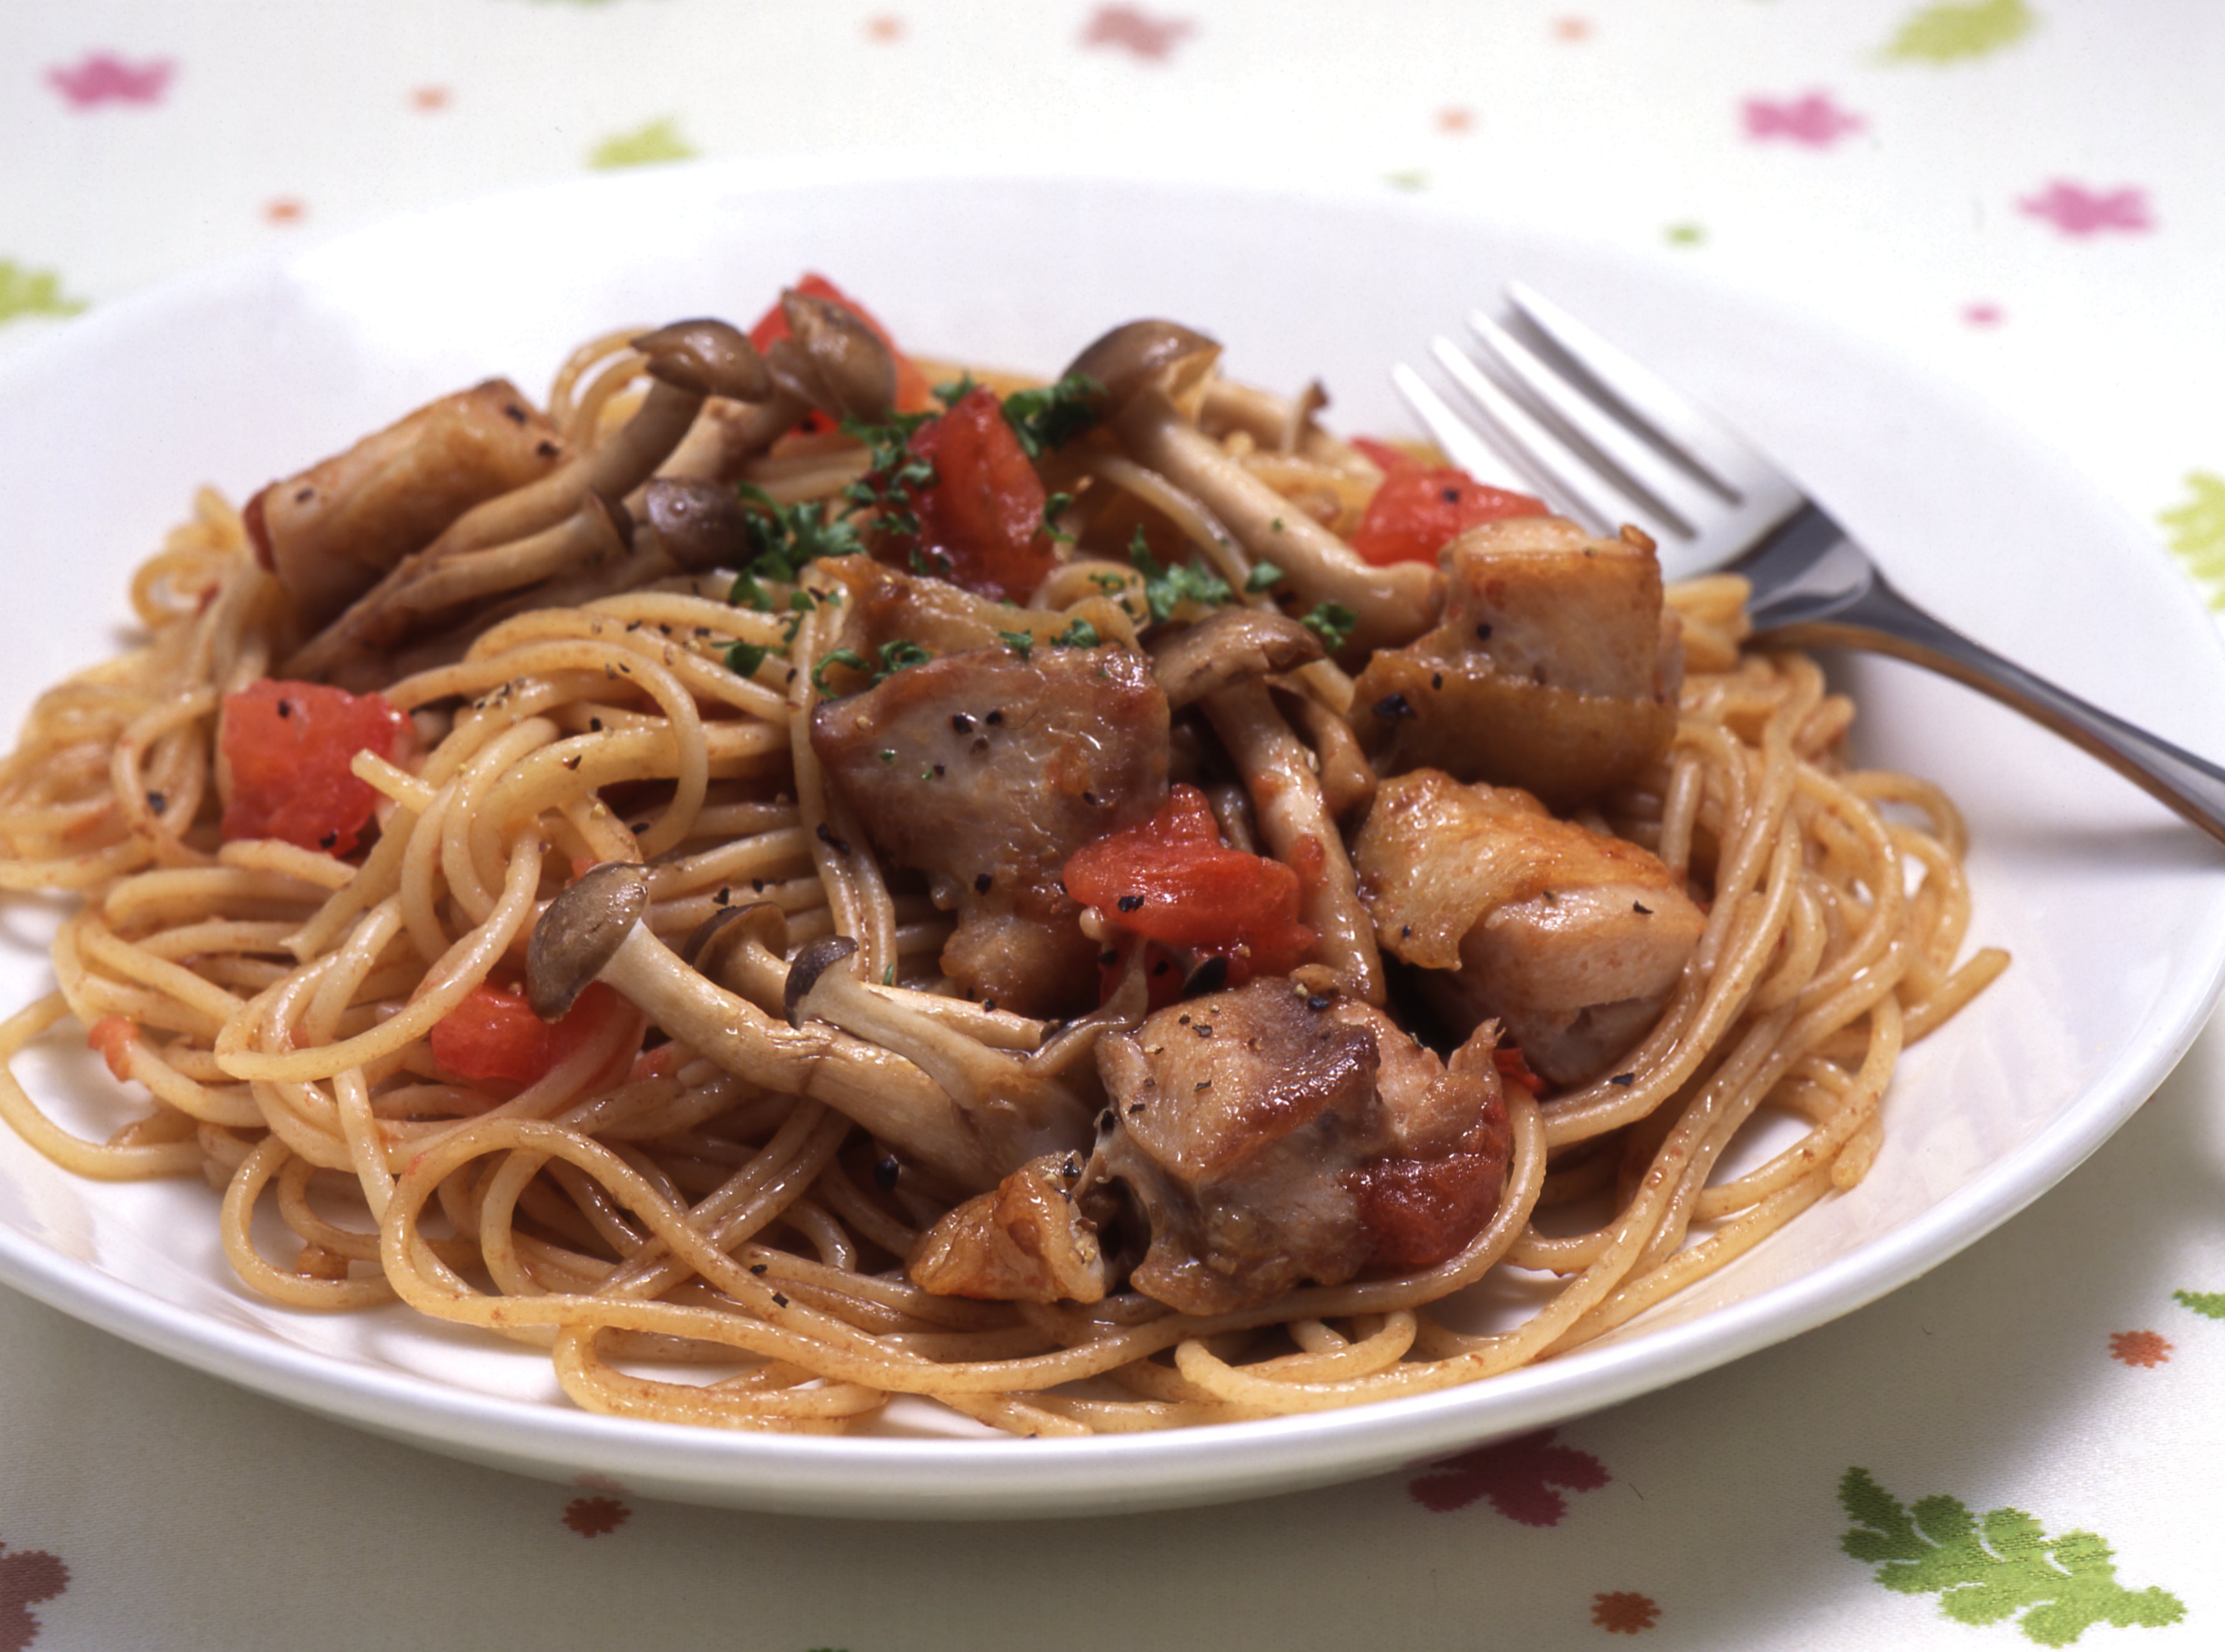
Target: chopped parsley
1052, 506
894, 657
1263, 577
1079, 634
785, 537
1167, 589
745, 658
1019, 642
894, 474
1056, 415
1332, 622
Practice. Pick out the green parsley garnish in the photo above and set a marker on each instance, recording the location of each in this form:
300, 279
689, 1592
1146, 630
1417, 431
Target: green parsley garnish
1332, 622
1052, 506
957, 390
849, 657
894, 657
1056, 415
1262, 577
894, 474
1079, 634
1167, 589
785, 537
744, 658
1019, 642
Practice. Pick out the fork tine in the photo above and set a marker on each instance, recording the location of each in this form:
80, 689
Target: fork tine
1671, 487
1453, 434
1569, 480
1674, 417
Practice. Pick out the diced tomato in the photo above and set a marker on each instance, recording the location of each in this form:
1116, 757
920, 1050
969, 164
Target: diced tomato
494, 1034
914, 395
1171, 879
113, 1037
1514, 1067
288, 745
981, 522
1420, 509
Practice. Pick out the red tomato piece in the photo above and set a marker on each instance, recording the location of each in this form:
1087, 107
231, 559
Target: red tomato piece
288, 745
1420, 509
914, 395
981, 522
1514, 1067
493, 1034
113, 1037
1171, 879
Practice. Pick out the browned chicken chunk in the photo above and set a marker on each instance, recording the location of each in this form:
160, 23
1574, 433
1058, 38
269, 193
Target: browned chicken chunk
985, 771
1572, 939
1268, 1137
1555, 668
331, 533
1023, 1241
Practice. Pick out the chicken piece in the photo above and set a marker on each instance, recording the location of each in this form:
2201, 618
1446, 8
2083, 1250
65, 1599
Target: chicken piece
1555, 668
1572, 939
1023, 1241
331, 533
1268, 1137
986, 770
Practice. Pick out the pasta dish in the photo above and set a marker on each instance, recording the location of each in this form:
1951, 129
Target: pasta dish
795, 875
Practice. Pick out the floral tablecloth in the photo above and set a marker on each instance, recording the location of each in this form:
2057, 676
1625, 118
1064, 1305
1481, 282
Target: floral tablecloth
2027, 1445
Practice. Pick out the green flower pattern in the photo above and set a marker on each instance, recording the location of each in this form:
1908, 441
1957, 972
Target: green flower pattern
32, 292
1948, 32
1985, 1568
2197, 534
645, 146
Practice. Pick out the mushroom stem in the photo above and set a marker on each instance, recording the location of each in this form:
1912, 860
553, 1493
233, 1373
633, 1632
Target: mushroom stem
594, 931
1286, 798
1394, 604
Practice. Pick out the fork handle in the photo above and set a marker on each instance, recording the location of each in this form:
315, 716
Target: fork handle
1878, 618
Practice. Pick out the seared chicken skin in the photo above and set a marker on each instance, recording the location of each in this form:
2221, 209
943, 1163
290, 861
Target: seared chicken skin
332, 532
985, 771
1555, 668
1573, 940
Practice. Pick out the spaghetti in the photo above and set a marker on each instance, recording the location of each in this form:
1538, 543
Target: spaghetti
692, 1242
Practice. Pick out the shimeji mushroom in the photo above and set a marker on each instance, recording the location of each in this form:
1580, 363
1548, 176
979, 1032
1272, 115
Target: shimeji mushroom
973, 1113
688, 362
830, 363
1145, 367
1230, 645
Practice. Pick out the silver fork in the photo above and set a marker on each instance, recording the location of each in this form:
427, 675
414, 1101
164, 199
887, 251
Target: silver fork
1607, 441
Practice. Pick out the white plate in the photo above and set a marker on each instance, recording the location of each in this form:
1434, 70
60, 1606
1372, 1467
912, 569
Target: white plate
2114, 911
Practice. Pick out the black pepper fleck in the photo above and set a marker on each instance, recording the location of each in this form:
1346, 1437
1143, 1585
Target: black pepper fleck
981, 883
836, 843
995, 720
778, 1300
1625, 1080
1130, 903
1391, 707
285, 708
1483, 633
1641, 909
885, 1171
1319, 1001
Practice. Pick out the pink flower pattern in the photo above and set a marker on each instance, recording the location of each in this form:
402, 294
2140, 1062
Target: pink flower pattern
2076, 210
104, 78
1516, 1475
1133, 29
1813, 120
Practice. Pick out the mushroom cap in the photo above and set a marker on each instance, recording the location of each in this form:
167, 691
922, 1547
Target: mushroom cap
699, 523
1230, 645
707, 356
833, 360
581, 933
1138, 354
810, 964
